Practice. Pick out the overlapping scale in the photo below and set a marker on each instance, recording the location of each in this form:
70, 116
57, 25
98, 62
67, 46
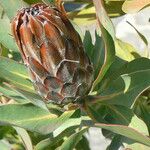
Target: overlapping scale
53, 53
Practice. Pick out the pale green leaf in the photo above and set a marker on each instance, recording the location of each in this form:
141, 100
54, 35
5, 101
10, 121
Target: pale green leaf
86, 16
103, 18
25, 138
32, 118
125, 50
4, 145
15, 6
15, 73
10, 93
126, 131
6, 38
136, 146
71, 142
69, 123
31, 97
139, 125
66, 129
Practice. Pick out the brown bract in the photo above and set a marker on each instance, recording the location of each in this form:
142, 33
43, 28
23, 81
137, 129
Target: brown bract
53, 53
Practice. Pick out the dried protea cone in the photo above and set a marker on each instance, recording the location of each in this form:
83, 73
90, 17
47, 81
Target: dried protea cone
53, 53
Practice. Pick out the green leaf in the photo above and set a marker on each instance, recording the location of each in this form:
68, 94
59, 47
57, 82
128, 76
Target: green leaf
113, 72
139, 125
96, 113
96, 51
48, 1
15, 6
83, 144
109, 56
136, 146
15, 73
4, 145
54, 139
124, 88
32, 118
118, 114
69, 123
25, 138
103, 18
125, 131
127, 88
88, 45
114, 8
125, 50
10, 93
108, 35
133, 6
98, 54
145, 112
115, 143
65, 130
5, 32
32, 97
71, 142
85, 16
32, 1
115, 115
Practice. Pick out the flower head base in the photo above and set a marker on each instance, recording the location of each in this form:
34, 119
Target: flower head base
53, 53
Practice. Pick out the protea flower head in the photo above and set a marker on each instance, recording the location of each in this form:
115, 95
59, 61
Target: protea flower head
53, 53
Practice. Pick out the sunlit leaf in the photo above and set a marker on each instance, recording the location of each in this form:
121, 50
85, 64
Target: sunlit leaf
66, 129
25, 138
125, 50
114, 7
139, 125
84, 17
32, 1
15, 6
132, 6
119, 140
71, 142
108, 35
69, 123
31, 97
10, 93
103, 18
126, 131
6, 38
136, 146
4, 145
83, 11
31, 118
15, 73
